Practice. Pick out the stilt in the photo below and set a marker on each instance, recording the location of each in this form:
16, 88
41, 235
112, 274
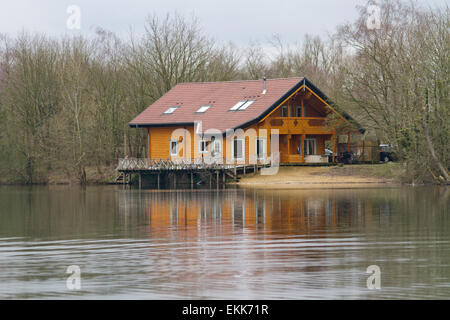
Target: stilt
244, 169
192, 180
223, 178
210, 180
175, 181
140, 181
158, 180
217, 178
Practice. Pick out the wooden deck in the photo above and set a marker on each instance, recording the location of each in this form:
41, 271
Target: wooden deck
208, 171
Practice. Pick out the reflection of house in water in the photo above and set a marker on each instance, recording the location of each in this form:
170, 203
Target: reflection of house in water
280, 211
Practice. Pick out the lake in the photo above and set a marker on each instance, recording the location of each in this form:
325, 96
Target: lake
224, 244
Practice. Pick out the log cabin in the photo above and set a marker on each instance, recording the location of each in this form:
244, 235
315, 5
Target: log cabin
239, 121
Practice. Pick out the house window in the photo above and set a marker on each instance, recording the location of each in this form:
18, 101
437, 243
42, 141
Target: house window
260, 148
304, 111
238, 150
203, 146
298, 111
284, 111
310, 147
173, 148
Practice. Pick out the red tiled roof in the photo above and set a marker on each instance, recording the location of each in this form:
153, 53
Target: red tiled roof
221, 96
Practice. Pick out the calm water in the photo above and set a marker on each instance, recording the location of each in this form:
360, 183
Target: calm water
227, 244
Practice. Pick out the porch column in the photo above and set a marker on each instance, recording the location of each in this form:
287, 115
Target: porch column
302, 147
333, 142
289, 145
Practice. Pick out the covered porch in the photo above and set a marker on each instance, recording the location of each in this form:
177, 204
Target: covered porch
306, 148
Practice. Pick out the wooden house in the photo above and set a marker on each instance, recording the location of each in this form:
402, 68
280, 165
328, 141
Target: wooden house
238, 121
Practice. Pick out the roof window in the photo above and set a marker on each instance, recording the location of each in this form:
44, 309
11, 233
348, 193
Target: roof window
242, 105
171, 110
238, 105
203, 109
247, 104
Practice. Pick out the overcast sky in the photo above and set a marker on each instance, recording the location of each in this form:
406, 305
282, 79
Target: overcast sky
239, 21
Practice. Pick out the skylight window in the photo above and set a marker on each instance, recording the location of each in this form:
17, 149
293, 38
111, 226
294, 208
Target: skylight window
238, 105
171, 110
203, 109
246, 104
242, 105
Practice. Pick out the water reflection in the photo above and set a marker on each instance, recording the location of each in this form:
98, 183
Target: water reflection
224, 244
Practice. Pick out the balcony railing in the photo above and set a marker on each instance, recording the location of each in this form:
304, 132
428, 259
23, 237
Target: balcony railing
295, 124
130, 164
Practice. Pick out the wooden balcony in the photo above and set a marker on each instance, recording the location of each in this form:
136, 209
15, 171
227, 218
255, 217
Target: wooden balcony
294, 125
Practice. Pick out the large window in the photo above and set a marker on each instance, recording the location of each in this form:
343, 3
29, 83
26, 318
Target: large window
173, 144
298, 111
260, 148
238, 149
310, 146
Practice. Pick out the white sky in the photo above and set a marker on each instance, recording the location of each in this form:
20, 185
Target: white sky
238, 21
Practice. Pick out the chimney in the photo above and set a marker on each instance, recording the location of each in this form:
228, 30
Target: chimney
265, 90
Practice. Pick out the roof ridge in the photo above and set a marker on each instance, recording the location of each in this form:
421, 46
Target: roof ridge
236, 81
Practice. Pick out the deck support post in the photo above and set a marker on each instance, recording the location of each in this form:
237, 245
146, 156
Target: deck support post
223, 178
175, 180
140, 180
192, 180
217, 178
210, 180
158, 180
244, 169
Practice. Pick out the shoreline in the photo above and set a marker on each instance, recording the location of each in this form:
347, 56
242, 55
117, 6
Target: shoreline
290, 177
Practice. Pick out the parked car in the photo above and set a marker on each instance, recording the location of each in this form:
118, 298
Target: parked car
347, 157
387, 153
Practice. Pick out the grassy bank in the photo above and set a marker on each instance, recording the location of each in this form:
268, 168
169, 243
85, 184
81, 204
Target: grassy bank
94, 175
